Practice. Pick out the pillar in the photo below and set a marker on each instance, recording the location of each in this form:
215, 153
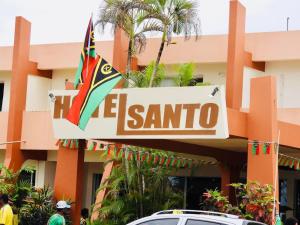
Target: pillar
262, 126
68, 183
236, 55
229, 174
14, 157
21, 67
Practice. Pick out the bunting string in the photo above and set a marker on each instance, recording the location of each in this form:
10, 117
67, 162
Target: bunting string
127, 153
262, 146
154, 158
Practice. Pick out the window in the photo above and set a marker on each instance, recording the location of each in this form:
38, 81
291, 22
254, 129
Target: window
28, 177
96, 184
161, 222
1, 95
200, 222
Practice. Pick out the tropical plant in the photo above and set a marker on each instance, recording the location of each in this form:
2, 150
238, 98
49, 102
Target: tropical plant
136, 189
14, 187
38, 208
254, 201
129, 16
142, 78
185, 74
172, 17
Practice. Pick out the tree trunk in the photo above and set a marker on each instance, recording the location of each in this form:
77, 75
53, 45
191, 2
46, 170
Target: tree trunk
129, 56
161, 49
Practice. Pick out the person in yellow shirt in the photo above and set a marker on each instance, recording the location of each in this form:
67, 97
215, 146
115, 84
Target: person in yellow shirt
6, 213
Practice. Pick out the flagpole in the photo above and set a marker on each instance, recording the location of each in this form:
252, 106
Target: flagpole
276, 178
89, 46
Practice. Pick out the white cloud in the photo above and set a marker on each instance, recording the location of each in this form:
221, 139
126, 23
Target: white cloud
66, 20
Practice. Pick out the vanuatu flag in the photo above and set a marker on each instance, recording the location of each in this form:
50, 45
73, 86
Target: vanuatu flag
101, 79
88, 52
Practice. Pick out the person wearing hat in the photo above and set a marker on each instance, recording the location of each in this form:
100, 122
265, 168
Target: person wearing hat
58, 218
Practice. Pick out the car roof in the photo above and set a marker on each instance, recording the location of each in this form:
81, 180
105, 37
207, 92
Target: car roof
221, 218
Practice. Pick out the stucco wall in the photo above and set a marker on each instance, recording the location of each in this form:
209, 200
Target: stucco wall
59, 77
37, 93
288, 82
249, 73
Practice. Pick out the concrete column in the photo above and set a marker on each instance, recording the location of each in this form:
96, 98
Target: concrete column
68, 184
236, 55
262, 126
229, 174
14, 157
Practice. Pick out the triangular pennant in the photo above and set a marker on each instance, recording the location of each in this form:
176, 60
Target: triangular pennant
149, 158
162, 160
58, 142
144, 156
264, 148
173, 162
292, 163
254, 147
269, 147
178, 165
156, 159
91, 146
297, 166
169, 160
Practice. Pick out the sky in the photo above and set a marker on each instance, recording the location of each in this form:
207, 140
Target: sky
55, 21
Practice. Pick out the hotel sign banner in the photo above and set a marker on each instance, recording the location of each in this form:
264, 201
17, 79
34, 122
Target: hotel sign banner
147, 113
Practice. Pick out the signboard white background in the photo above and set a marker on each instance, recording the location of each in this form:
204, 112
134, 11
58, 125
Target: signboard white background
193, 103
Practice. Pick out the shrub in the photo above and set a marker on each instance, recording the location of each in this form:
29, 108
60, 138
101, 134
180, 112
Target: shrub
254, 201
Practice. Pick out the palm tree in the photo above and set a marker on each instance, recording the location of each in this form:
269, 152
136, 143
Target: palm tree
173, 17
137, 188
127, 15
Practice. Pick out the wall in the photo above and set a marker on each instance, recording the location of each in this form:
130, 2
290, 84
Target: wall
59, 77
5, 78
288, 82
37, 93
249, 73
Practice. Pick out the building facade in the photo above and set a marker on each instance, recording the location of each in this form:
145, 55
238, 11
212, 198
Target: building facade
259, 70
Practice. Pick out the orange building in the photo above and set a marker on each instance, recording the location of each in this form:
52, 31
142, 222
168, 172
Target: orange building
260, 72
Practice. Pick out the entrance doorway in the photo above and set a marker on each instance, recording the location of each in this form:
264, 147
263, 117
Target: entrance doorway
193, 188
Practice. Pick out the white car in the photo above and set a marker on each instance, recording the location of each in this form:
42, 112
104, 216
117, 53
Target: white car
192, 217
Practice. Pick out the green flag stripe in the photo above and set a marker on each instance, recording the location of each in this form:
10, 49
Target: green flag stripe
97, 96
